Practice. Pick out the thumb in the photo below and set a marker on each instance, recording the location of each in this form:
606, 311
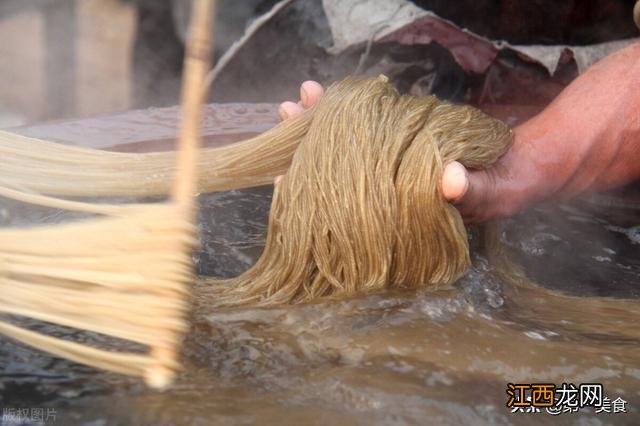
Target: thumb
455, 182
467, 191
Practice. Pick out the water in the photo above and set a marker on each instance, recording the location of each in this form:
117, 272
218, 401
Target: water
426, 357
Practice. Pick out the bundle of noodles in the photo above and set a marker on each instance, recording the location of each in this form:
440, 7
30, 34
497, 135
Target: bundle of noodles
125, 274
360, 208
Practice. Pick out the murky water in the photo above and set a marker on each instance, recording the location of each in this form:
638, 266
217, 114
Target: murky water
422, 357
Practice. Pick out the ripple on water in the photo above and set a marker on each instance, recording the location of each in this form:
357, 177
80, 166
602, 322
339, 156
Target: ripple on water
391, 358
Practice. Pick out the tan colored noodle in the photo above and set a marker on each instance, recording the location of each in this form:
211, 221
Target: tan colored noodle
360, 208
34, 165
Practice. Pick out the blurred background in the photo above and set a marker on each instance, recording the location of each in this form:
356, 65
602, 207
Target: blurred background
389, 358
78, 58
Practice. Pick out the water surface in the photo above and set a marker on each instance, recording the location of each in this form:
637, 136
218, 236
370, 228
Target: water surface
426, 357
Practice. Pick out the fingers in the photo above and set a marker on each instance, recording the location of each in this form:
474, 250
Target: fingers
278, 179
455, 182
289, 109
490, 195
310, 92
472, 203
466, 190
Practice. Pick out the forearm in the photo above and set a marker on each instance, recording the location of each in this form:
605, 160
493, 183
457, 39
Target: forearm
589, 137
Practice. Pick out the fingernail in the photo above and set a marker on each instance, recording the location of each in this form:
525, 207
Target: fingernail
304, 96
457, 179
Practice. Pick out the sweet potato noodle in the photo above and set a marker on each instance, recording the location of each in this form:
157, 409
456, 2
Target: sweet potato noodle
360, 208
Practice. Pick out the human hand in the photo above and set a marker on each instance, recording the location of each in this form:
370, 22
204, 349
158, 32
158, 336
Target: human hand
455, 178
588, 138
